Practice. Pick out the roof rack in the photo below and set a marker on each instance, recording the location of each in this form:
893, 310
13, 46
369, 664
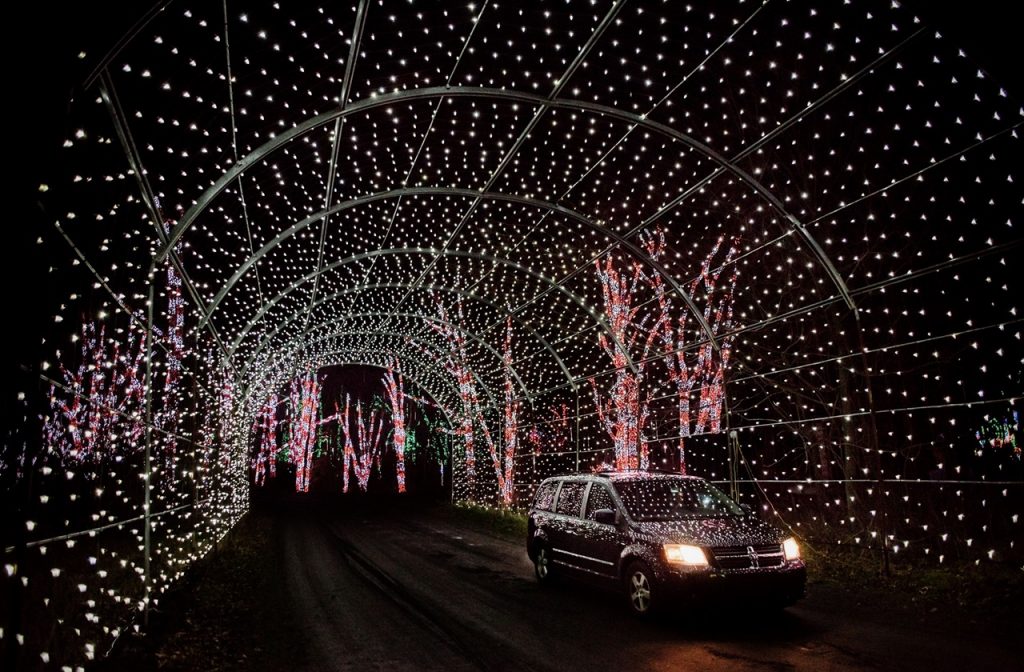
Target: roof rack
654, 470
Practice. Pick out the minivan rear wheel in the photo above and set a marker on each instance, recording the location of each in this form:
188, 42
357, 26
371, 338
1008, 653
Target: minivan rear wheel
640, 589
542, 565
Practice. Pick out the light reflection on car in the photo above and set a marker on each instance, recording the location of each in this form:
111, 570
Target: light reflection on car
668, 540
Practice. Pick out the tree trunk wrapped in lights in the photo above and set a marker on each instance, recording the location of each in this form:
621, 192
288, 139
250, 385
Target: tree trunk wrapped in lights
225, 414
457, 364
176, 353
709, 368
718, 314
368, 437
395, 386
503, 461
305, 407
511, 427
504, 464
167, 417
624, 413
348, 451
266, 458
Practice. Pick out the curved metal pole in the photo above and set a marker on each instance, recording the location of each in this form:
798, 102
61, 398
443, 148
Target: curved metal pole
426, 250
422, 365
435, 397
409, 356
123, 42
300, 341
431, 367
339, 123
412, 356
631, 247
430, 288
261, 153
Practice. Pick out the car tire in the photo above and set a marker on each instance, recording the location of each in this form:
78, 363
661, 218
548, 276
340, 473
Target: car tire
640, 589
542, 566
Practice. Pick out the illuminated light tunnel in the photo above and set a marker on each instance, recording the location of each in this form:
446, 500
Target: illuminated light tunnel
774, 245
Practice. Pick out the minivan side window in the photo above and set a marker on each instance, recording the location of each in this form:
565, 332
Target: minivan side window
599, 498
545, 498
570, 499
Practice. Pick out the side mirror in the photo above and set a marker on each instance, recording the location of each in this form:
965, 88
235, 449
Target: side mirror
605, 517
746, 509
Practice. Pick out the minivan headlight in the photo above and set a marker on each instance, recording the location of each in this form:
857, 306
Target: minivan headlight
790, 549
684, 554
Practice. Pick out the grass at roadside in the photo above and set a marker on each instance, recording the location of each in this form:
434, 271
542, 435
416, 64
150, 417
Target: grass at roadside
507, 523
225, 615
986, 592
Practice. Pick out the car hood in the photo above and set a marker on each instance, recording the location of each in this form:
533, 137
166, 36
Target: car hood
731, 531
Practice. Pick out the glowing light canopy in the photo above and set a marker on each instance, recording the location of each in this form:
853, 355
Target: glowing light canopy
773, 244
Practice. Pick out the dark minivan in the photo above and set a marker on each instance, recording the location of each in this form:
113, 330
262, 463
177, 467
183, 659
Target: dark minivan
666, 538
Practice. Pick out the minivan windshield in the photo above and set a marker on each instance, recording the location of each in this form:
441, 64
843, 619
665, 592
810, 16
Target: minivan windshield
674, 499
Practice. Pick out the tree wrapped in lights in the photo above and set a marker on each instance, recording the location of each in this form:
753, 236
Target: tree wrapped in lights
506, 472
471, 414
176, 352
266, 457
305, 409
457, 365
225, 411
718, 313
368, 437
348, 451
394, 384
624, 412
706, 368
99, 403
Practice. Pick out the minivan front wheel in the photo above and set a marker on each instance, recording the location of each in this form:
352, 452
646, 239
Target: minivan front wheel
640, 589
542, 565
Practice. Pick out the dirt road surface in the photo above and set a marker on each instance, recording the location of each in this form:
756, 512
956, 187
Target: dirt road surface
416, 588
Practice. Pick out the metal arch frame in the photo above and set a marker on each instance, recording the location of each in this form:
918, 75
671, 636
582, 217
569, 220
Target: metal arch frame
259, 154
429, 288
508, 156
408, 356
411, 357
339, 123
347, 362
303, 361
635, 251
429, 344
427, 250
298, 355
427, 318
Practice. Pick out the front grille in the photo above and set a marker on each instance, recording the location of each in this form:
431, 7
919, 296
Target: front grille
748, 557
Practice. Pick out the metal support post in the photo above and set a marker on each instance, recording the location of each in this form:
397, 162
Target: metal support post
577, 442
147, 477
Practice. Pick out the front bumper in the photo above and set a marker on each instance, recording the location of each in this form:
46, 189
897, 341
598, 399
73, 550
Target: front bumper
772, 586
